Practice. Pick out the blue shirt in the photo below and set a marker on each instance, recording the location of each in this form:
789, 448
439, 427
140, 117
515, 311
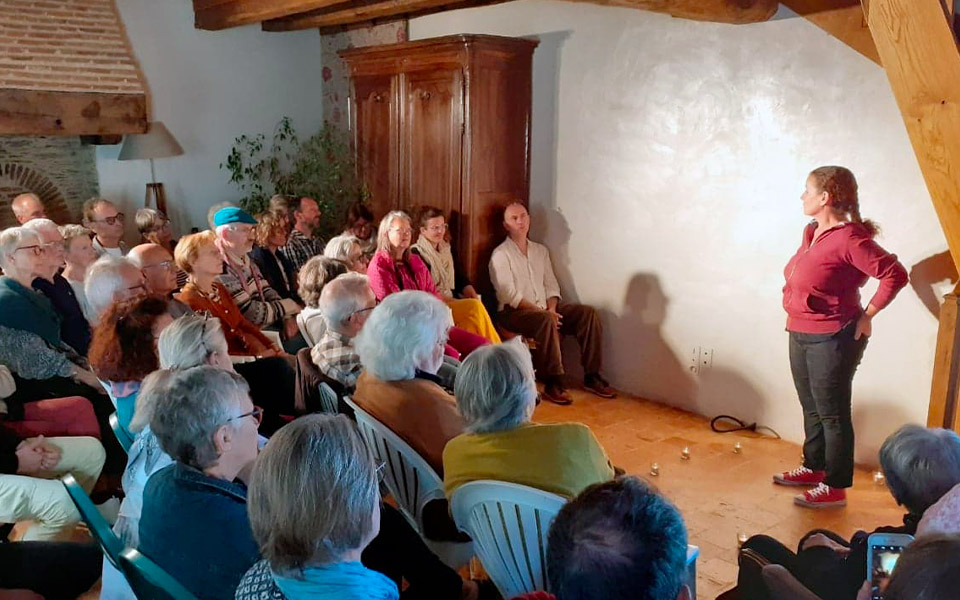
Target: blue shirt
196, 528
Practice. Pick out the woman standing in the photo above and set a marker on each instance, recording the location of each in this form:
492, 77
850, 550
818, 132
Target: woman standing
434, 250
829, 329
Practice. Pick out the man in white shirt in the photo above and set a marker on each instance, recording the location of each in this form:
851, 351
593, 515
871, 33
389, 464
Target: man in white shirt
528, 296
106, 221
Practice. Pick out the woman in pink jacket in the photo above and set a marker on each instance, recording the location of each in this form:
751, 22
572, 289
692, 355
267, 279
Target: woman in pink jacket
394, 268
829, 328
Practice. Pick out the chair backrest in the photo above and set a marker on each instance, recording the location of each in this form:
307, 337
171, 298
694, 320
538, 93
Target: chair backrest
509, 525
148, 580
315, 392
411, 481
123, 436
782, 585
99, 528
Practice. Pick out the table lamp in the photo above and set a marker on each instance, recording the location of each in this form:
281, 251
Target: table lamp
157, 142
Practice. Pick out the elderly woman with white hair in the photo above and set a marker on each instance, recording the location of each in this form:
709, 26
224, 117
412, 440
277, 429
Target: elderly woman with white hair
109, 280
315, 510
496, 393
394, 268
348, 250
314, 275
401, 348
920, 464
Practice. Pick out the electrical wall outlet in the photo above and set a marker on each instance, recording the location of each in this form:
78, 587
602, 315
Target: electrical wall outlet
700, 358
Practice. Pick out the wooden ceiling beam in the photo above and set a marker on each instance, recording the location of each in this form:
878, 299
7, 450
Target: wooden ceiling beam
843, 19
32, 112
737, 12
222, 14
347, 14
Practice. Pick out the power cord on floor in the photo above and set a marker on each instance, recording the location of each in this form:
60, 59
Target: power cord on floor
739, 425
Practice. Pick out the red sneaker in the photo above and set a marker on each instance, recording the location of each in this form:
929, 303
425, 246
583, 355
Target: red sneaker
822, 496
800, 476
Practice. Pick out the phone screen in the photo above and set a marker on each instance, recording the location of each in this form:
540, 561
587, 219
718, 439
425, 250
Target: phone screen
884, 559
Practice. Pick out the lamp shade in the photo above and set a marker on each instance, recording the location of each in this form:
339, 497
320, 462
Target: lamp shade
157, 142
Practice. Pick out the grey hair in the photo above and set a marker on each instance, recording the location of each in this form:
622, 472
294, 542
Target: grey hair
383, 233
42, 225
340, 246
495, 387
921, 464
196, 402
13, 238
189, 341
402, 333
342, 297
103, 281
314, 275
312, 493
72, 232
152, 387
147, 219
212, 212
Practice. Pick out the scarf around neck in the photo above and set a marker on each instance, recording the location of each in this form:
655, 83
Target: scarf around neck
441, 264
338, 581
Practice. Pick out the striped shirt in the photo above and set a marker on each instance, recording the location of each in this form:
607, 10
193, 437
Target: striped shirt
258, 302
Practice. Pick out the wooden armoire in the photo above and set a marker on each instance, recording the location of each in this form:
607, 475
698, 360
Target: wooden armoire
446, 122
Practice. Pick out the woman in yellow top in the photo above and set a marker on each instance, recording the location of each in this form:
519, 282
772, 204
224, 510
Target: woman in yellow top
496, 394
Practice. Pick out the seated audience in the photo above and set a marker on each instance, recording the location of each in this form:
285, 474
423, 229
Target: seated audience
346, 303
213, 210
618, 540
159, 270
529, 300
315, 274
347, 249
270, 235
315, 511
401, 349
106, 221
361, 225
78, 255
206, 422
496, 394
280, 203
74, 328
304, 241
27, 207
111, 280
50, 570
124, 349
394, 268
154, 228
920, 464
30, 489
258, 301
70, 416
927, 570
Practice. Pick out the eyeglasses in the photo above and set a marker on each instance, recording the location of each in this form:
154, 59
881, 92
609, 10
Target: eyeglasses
256, 413
117, 218
363, 310
166, 265
37, 249
437, 228
402, 230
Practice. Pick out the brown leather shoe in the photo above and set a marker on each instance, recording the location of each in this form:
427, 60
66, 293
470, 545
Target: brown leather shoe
556, 394
598, 385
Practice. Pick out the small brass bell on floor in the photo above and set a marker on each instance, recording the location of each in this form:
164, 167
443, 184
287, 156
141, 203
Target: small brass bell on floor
685, 453
737, 448
654, 469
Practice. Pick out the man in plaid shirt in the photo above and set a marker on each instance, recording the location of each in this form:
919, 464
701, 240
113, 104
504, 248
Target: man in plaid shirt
303, 244
345, 303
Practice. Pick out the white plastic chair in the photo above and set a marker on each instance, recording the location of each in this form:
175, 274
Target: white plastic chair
509, 524
328, 399
410, 480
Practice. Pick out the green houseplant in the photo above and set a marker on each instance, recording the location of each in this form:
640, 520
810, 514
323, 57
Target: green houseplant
321, 167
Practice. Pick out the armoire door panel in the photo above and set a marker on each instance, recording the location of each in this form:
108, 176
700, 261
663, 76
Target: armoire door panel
377, 139
431, 116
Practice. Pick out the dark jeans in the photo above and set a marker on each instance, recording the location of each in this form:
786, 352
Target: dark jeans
55, 570
823, 366
399, 553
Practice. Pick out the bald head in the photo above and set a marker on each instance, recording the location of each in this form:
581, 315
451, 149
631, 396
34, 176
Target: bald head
27, 207
516, 220
159, 272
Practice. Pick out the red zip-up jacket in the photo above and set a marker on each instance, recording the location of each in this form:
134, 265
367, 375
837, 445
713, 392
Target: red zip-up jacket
822, 293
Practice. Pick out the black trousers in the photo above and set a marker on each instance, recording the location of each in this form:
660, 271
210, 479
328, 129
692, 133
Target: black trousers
399, 553
55, 570
31, 390
823, 366
272, 383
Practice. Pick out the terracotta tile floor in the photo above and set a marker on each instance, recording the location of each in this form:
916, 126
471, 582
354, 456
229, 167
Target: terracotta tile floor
719, 492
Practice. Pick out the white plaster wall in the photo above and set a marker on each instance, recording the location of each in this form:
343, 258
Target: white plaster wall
668, 160
208, 87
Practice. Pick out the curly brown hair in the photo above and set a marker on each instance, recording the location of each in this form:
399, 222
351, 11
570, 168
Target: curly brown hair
269, 223
123, 347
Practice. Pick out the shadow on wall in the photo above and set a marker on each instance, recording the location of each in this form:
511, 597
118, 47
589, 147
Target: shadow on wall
928, 272
873, 423
738, 397
636, 356
546, 119
549, 219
